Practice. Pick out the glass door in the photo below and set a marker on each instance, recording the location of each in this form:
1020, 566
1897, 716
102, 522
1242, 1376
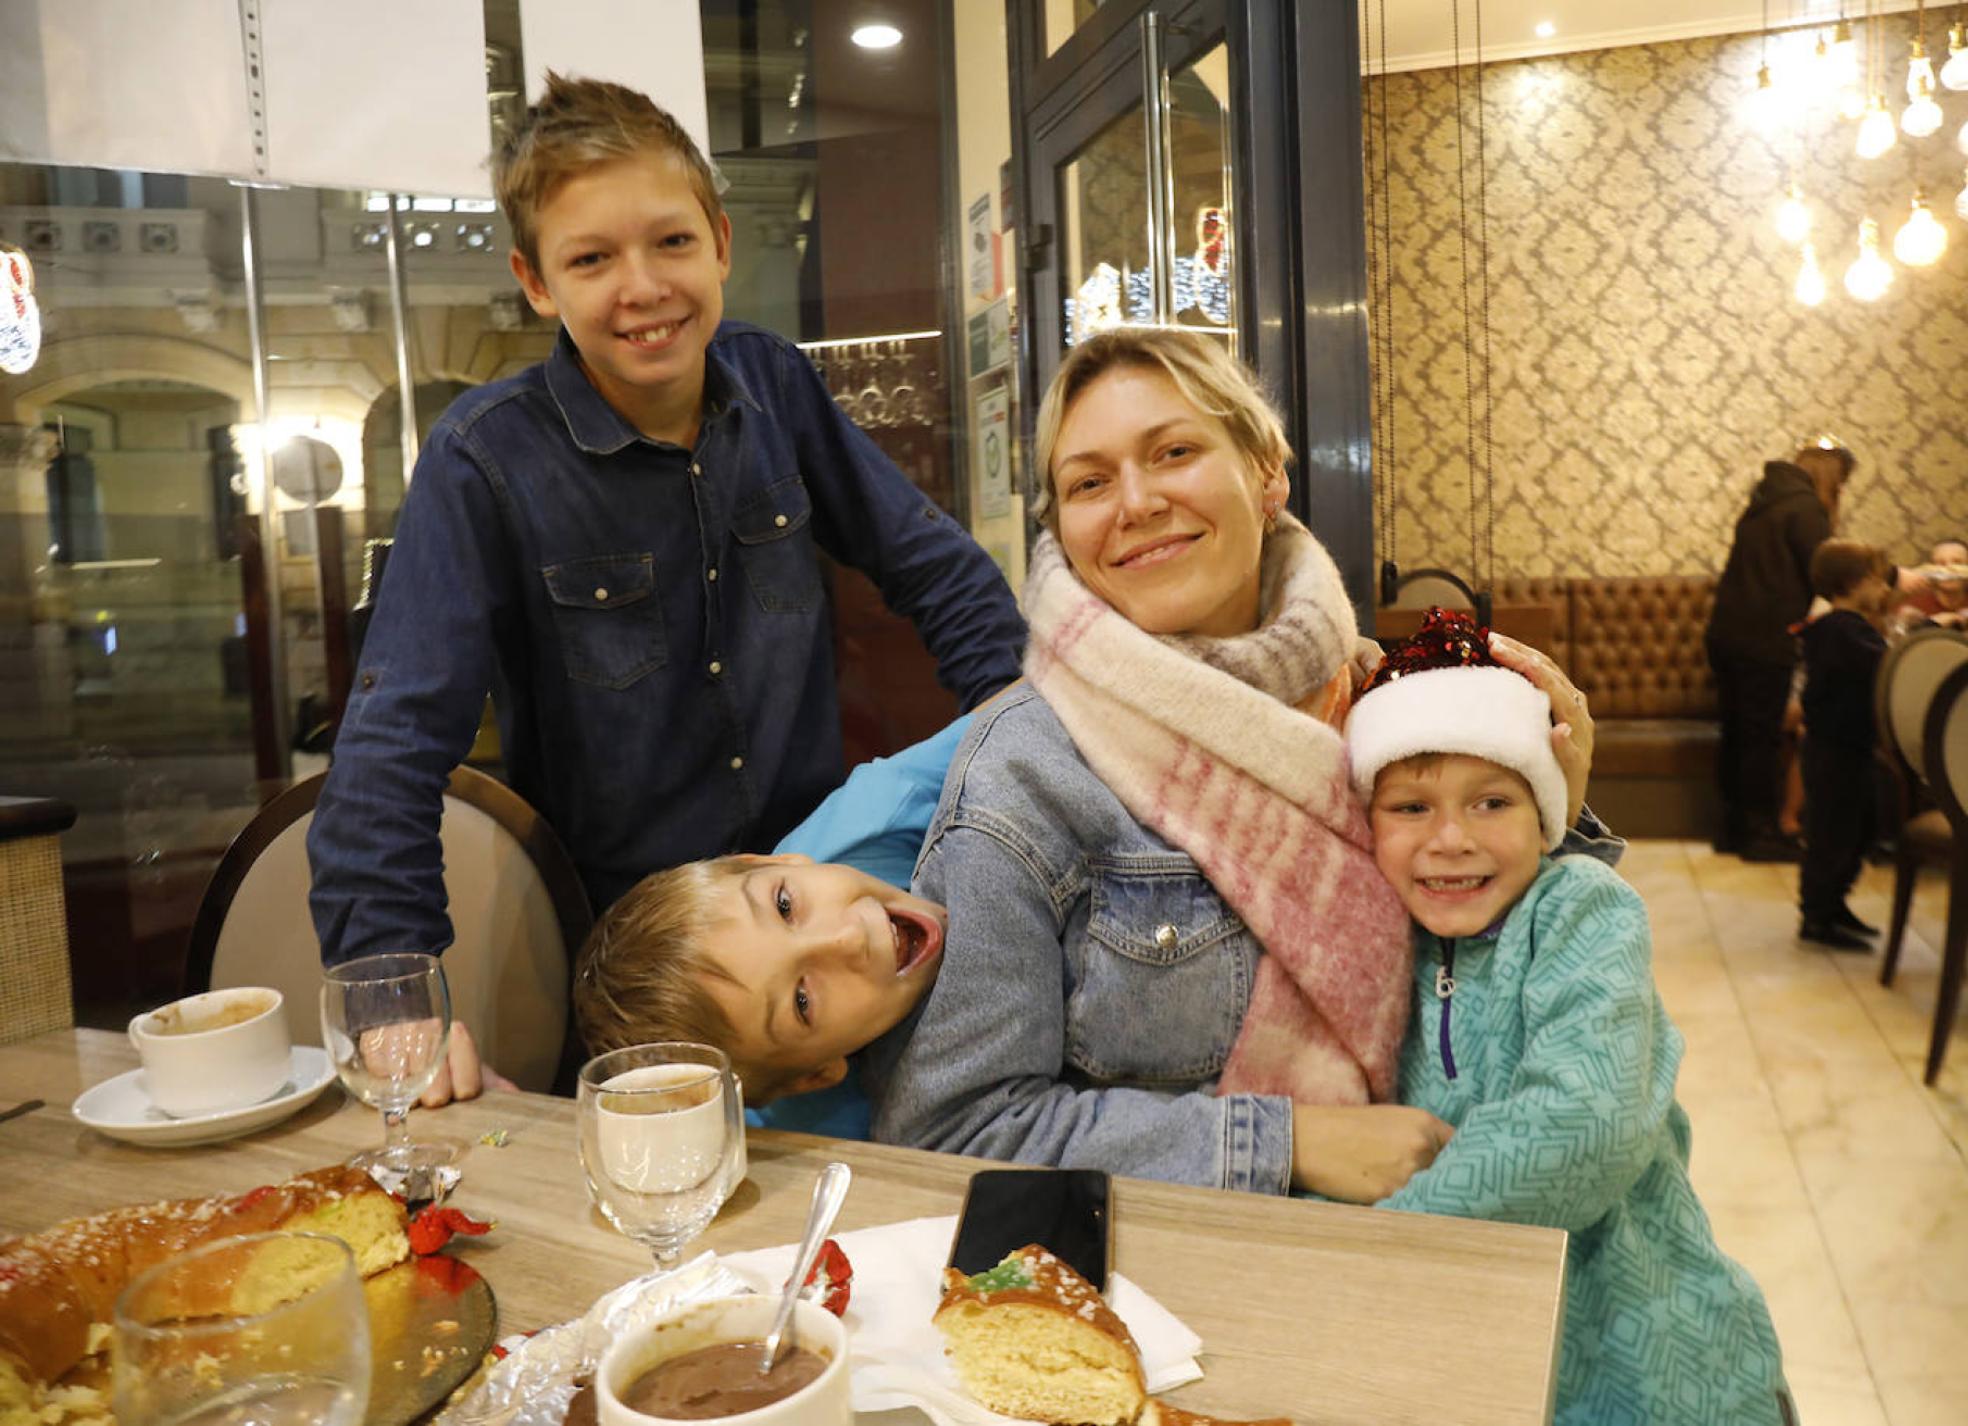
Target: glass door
1134, 188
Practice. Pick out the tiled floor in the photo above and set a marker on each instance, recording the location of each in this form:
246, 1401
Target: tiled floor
1829, 1170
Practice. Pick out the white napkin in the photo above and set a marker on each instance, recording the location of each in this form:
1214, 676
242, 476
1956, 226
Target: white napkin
895, 1351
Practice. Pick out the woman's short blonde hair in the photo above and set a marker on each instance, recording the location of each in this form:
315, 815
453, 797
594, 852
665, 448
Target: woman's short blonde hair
1209, 378
579, 124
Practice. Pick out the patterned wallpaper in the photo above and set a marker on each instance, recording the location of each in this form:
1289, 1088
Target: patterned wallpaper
1646, 352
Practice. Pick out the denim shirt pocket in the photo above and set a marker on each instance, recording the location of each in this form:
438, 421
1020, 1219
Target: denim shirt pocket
775, 545
609, 618
1164, 974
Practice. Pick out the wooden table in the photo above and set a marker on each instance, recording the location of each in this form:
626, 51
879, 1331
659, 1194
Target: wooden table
1324, 1313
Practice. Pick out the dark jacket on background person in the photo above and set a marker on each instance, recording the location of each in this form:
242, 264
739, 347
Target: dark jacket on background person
1842, 651
1766, 585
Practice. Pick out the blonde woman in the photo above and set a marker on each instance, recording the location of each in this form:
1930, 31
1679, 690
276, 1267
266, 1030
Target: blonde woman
1170, 953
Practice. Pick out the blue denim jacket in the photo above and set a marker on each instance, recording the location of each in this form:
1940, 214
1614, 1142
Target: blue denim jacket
651, 621
1091, 988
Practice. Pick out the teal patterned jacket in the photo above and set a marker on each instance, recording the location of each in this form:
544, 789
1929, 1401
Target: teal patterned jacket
1555, 1061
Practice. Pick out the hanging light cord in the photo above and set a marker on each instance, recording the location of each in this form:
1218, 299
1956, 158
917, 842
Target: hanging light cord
1479, 474
1483, 235
1380, 218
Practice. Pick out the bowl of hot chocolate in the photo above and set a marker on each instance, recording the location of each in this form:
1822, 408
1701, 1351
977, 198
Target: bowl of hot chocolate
702, 1364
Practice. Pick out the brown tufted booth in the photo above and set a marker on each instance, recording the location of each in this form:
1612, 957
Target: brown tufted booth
1634, 645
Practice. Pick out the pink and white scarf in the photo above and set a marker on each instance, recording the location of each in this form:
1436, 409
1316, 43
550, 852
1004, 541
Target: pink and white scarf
1202, 741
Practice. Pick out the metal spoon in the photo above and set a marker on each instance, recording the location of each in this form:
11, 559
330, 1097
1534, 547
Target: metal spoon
828, 1194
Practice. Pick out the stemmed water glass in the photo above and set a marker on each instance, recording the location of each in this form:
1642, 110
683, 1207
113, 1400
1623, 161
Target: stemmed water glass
268, 1328
660, 1127
386, 1021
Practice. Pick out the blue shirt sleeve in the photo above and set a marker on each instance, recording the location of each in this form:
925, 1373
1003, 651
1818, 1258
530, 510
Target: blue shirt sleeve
875, 822
426, 667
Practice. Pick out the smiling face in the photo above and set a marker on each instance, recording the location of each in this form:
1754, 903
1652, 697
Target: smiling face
816, 960
1457, 837
635, 268
1159, 512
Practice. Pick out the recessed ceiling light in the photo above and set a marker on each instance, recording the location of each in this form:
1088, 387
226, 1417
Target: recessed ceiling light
877, 37
1545, 29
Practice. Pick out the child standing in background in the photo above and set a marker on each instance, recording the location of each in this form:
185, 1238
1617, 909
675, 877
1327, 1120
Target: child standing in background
1842, 649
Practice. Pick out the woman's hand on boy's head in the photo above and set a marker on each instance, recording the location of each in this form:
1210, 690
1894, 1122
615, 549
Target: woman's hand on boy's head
1571, 734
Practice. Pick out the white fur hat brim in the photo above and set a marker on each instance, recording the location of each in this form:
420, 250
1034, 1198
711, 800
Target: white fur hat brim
1490, 713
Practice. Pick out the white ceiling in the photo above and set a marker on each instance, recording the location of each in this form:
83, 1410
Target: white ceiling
1419, 33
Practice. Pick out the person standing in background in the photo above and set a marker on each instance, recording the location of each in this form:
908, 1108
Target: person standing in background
1842, 650
1765, 588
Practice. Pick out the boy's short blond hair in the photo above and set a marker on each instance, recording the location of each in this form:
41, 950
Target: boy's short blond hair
581, 124
642, 972
1209, 378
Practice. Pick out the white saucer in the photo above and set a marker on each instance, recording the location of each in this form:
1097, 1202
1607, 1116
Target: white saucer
121, 1107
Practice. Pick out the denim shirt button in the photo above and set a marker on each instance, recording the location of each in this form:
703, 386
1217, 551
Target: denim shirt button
600, 593
737, 764
712, 574
779, 521
716, 668
1166, 936
696, 469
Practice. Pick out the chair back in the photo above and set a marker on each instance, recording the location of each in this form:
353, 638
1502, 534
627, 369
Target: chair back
1945, 749
1908, 677
517, 909
1425, 588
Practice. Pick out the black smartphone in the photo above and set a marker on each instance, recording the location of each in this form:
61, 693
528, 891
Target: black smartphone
1063, 1210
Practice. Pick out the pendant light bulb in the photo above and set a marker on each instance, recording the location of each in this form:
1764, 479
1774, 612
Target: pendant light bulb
1921, 117
1876, 132
1920, 71
1954, 74
1793, 218
1870, 274
1844, 56
1765, 102
1921, 239
1810, 288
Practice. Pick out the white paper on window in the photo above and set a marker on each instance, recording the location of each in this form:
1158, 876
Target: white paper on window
383, 94
656, 46
159, 86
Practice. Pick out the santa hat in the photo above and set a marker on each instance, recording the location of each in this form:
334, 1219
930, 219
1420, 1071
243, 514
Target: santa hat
1444, 692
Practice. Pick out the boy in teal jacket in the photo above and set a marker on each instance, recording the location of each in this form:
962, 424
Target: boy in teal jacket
1536, 1032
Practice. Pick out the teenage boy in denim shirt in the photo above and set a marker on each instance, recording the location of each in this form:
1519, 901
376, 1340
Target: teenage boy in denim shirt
621, 544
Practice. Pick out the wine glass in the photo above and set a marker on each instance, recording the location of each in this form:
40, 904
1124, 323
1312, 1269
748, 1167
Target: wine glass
661, 1126
386, 1021
265, 1329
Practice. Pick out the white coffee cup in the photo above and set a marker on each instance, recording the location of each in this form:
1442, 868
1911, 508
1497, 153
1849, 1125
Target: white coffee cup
827, 1400
225, 1049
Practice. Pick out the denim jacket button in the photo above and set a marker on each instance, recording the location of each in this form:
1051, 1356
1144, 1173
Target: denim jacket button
600, 593
737, 764
716, 668
712, 574
1166, 936
779, 521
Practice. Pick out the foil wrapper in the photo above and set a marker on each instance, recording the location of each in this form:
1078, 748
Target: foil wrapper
533, 1385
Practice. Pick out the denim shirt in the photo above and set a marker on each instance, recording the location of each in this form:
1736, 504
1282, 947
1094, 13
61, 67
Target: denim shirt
651, 622
1091, 988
